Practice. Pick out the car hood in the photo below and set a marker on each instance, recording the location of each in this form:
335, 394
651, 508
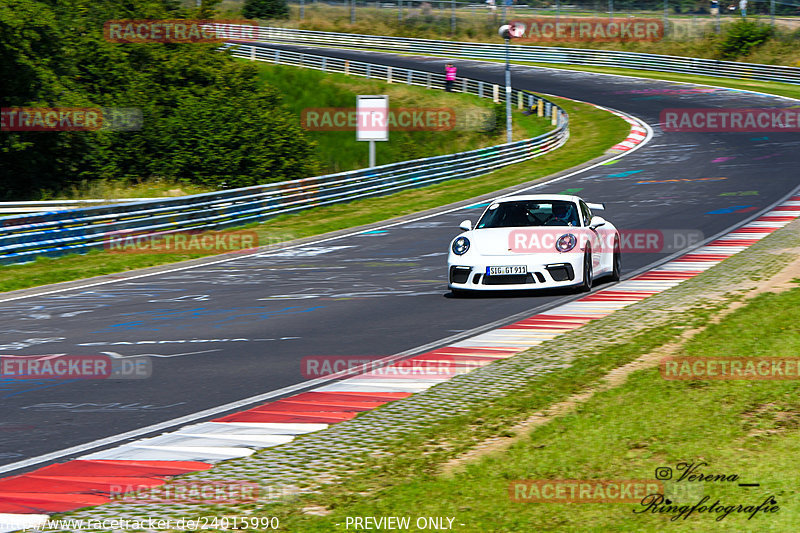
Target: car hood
500, 241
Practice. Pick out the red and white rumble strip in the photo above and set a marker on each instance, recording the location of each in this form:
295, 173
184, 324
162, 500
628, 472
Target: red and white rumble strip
636, 136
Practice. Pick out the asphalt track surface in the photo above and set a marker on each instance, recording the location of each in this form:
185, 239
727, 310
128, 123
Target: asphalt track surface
231, 330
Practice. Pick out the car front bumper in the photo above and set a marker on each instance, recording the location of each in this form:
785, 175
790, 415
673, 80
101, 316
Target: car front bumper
550, 272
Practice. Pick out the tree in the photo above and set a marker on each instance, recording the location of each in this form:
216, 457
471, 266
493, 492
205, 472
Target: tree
265, 9
206, 117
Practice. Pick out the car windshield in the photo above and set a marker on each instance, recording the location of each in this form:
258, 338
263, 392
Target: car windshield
527, 213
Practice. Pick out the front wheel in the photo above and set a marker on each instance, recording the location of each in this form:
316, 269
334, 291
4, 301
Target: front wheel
588, 280
616, 271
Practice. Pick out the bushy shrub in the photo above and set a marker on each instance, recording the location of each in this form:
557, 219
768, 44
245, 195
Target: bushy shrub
206, 119
741, 37
265, 9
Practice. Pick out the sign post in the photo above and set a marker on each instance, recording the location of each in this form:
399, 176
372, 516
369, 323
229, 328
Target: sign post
372, 112
507, 31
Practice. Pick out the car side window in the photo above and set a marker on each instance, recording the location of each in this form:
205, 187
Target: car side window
586, 212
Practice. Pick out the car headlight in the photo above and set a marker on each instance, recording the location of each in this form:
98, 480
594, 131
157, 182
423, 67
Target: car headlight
460, 246
566, 242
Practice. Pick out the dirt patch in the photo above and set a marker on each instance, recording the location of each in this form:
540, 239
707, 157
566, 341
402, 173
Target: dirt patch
781, 418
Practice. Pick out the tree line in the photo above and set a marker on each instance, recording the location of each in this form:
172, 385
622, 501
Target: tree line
206, 119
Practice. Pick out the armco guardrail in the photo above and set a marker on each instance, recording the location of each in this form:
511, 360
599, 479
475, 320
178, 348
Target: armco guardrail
57, 205
23, 238
534, 54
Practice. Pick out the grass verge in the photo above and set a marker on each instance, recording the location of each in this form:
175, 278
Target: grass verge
479, 122
592, 132
742, 428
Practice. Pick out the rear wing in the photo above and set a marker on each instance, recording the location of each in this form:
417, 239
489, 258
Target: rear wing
596, 207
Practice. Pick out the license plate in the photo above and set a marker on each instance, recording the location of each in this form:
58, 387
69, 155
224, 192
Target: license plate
506, 270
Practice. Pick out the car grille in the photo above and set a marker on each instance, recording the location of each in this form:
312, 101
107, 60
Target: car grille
515, 279
561, 272
459, 274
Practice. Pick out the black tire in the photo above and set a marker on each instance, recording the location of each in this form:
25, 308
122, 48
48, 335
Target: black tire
616, 271
588, 276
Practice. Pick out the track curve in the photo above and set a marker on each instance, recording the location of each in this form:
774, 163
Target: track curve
231, 330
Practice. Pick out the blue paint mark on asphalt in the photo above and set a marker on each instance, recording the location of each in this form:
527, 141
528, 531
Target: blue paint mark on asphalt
476, 206
759, 138
624, 174
727, 210
7, 385
375, 232
172, 319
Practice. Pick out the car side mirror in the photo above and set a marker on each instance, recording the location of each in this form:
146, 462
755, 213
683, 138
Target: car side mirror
596, 222
466, 225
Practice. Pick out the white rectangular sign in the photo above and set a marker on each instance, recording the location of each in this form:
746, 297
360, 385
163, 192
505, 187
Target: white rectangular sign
372, 114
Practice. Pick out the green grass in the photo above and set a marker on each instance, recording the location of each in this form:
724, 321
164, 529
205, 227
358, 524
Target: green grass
110, 189
592, 132
747, 428
339, 151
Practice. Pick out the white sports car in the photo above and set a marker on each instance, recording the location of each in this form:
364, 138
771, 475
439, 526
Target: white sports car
537, 241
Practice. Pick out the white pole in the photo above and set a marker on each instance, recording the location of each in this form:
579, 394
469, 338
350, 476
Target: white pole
508, 93
371, 154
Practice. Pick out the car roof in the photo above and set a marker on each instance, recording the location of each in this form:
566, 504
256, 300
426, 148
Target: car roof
539, 197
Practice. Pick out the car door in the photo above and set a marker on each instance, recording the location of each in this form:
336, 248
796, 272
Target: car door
594, 237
